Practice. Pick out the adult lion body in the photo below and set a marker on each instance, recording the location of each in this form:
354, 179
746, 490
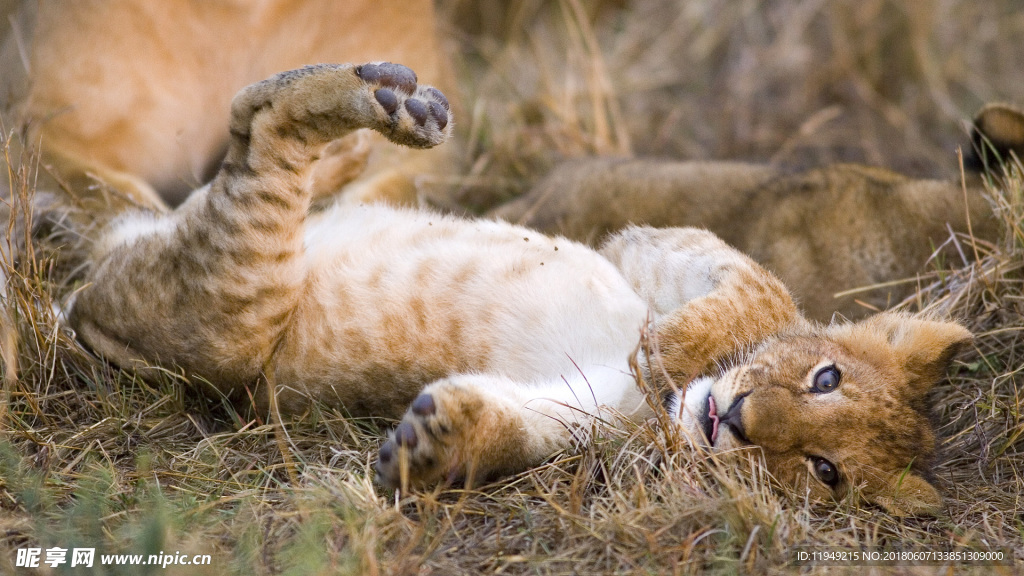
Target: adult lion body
132, 94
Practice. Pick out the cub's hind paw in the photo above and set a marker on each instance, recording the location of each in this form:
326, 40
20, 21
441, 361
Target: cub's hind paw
320, 103
418, 115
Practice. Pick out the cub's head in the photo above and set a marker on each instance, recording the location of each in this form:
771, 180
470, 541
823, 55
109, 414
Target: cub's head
837, 407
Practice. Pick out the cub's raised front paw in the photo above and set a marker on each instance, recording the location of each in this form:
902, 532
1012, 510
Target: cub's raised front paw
423, 449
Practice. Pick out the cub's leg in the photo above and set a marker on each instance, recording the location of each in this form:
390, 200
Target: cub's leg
709, 300
473, 427
461, 427
211, 287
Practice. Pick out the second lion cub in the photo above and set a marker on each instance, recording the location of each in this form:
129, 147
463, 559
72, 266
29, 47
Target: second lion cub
489, 340
824, 231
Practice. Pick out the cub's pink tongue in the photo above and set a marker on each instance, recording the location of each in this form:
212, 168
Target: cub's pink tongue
713, 414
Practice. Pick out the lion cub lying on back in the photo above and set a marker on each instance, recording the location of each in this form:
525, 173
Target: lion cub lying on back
497, 338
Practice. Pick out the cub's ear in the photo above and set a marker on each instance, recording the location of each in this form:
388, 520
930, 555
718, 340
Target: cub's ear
923, 348
908, 495
997, 134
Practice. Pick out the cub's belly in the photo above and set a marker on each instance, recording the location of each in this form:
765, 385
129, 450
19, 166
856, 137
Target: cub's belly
393, 306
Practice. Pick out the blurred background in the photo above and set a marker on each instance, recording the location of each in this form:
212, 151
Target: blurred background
795, 82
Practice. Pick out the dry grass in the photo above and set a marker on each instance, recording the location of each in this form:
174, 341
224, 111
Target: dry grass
91, 456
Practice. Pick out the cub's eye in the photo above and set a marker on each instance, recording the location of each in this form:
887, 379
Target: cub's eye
825, 380
825, 471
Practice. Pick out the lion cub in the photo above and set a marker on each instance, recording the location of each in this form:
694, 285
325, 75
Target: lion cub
491, 341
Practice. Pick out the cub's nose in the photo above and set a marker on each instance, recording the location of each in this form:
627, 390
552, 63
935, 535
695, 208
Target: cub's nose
733, 420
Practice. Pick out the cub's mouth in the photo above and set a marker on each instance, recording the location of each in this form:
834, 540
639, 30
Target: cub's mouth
697, 411
707, 420
711, 425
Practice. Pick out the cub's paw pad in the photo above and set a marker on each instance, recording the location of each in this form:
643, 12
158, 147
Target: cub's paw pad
439, 114
422, 111
423, 439
417, 109
387, 99
389, 75
417, 115
437, 97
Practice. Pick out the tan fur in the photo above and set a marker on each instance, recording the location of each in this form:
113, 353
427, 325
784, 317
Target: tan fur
503, 340
132, 94
823, 231
234, 248
463, 322
746, 305
875, 427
